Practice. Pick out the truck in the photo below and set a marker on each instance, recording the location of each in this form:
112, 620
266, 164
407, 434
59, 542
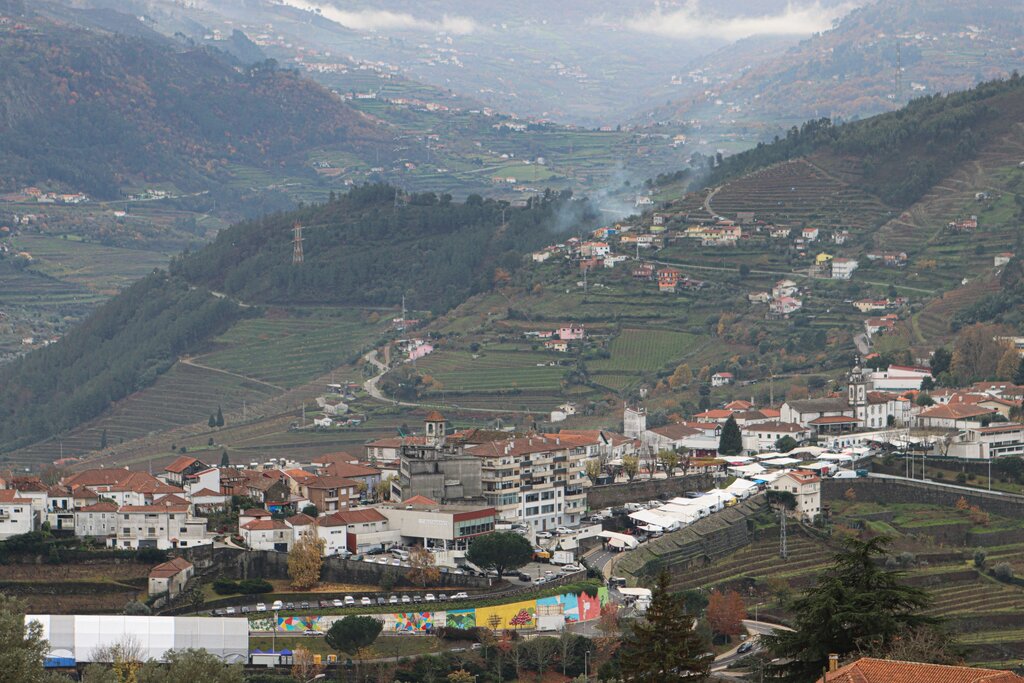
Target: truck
850, 474
563, 557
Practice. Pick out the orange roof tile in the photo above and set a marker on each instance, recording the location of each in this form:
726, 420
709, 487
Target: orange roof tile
868, 670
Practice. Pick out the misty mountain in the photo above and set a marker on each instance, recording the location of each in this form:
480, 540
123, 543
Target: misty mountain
88, 109
851, 70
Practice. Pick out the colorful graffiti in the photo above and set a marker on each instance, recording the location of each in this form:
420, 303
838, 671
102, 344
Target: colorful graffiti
460, 618
516, 615
411, 622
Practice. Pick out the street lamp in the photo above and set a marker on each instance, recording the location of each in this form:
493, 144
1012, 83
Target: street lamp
273, 645
586, 665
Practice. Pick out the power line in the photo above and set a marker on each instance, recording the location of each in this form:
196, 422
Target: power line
297, 256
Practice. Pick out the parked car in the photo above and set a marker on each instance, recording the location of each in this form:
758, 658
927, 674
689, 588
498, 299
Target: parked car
278, 605
289, 605
745, 647
365, 601
338, 603
442, 597
563, 530
461, 595
393, 600
349, 600
543, 534
325, 603
525, 578
406, 599
304, 605
570, 568
382, 600
229, 610
245, 609
429, 597
417, 598
220, 611
261, 607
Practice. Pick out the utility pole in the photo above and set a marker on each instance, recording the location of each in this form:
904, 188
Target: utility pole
297, 257
783, 547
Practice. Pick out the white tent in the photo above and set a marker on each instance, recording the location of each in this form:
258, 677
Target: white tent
741, 488
837, 457
813, 451
653, 517
768, 456
737, 460
781, 462
617, 540
747, 470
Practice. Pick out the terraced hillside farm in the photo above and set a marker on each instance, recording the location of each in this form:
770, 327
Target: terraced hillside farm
796, 193
929, 545
103, 269
635, 351
183, 395
101, 586
499, 379
286, 349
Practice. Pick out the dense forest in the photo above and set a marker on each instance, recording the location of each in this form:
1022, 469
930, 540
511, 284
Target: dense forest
367, 248
119, 349
92, 111
902, 153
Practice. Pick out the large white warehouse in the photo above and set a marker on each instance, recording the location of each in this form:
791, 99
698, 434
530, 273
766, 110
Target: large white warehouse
80, 637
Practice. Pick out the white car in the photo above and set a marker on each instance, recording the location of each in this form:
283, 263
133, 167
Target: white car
429, 597
229, 610
462, 595
278, 605
543, 534
337, 602
349, 600
570, 568
393, 600
366, 601
261, 607
563, 530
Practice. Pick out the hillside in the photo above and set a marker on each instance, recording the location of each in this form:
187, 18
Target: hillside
368, 247
96, 112
849, 72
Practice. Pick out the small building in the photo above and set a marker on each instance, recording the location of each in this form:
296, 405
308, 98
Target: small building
784, 288
805, 486
170, 577
571, 332
1001, 259
784, 307
870, 670
842, 268
809, 234
16, 514
882, 325
668, 279
720, 379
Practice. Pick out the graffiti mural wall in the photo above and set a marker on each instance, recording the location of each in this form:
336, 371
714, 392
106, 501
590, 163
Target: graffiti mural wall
513, 616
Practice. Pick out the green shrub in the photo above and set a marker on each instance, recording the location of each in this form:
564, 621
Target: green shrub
151, 555
253, 586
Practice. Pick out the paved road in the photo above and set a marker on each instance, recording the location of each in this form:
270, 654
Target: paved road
861, 342
755, 629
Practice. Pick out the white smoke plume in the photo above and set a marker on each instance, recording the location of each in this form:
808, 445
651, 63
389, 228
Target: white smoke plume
691, 21
383, 20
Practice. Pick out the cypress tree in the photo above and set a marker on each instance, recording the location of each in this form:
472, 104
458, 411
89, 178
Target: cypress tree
663, 645
220, 417
224, 461
212, 421
731, 442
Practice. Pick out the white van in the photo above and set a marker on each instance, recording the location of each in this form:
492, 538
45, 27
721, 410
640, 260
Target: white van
403, 555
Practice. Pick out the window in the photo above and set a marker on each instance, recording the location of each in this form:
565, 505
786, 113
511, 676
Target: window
125, 531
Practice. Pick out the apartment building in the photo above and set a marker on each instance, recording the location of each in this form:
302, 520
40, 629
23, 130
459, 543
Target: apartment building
159, 526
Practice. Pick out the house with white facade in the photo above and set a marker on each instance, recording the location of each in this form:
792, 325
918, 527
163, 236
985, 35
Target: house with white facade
16, 514
806, 489
159, 526
170, 577
98, 520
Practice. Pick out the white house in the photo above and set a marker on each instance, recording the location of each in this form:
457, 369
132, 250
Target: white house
762, 436
16, 514
98, 520
784, 306
994, 441
842, 268
806, 489
170, 577
784, 288
720, 379
159, 526
952, 416
899, 378
333, 532
267, 534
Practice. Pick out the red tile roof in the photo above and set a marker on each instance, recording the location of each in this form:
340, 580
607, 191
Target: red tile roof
419, 500
833, 420
714, 414
350, 470
869, 670
206, 493
104, 506
959, 411
359, 516
255, 512
300, 519
153, 509
181, 464
434, 416
169, 568
265, 525
11, 496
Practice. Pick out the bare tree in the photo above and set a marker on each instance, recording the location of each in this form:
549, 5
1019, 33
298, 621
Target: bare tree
124, 657
542, 649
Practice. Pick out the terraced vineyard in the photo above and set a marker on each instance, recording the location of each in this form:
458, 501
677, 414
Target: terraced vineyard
288, 350
183, 395
798, 192
634, 351
494, 371
100, 268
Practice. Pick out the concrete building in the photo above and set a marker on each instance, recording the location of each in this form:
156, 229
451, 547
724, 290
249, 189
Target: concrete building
159, 526
170, 577
995, 441
98, 520
16, 514
806, 489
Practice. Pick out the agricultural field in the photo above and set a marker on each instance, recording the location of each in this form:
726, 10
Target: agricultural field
636, 351
287, 349
183, 395
103, 269
493, 371
984, 613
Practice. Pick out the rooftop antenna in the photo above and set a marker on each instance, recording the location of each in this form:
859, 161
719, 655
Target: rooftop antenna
297, 257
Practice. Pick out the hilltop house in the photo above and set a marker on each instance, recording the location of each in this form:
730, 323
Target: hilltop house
842, 268
668, 279
809, 234
720, 379
784, 288
783, 307
170, 577
806, 489
885, 324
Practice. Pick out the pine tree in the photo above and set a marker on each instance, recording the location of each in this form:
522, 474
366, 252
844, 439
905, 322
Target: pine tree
220, 417
224, 461
212, 421
103, 439
855, 606
731, 441
663, 645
